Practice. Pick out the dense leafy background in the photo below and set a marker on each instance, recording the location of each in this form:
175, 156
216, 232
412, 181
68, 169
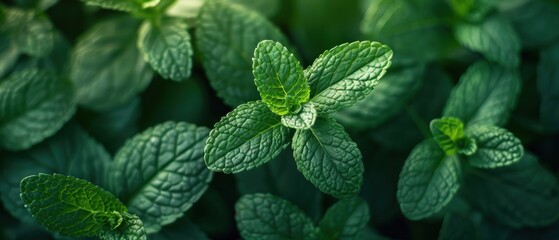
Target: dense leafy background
122, 89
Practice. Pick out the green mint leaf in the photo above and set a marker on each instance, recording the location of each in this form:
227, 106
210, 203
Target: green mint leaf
167, 48
70, 151
346, 74
34, 105
467, 146
548, 87
279, 78
531, 21
264, 216
494, 38
482, 87
131, 228
447, 131
120, 5
428, 181
107, 80
69, 206
150, 166
226, 36
29, 31
461, 227
245, 138
496, 147
304, 119
346, 219
473, 10
267, 8
523, 194
386, 101
328, 158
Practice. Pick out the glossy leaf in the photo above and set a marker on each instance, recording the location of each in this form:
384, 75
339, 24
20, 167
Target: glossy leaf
496, 147
131, 228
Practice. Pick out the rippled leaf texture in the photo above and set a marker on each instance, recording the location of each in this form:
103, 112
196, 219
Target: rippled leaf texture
30, 32
447, 131
304, 119
264, 216
548, 86
70, 151
494, 38
347, 73
167, 48
121, 5
383, 103
531, 21
101, 65
247, 137
428, 181
160, 173
34, 105
226, 36
70, 206
496, 147
486, 94
346, 219
328, 158
279, 78
131, 228
520, 195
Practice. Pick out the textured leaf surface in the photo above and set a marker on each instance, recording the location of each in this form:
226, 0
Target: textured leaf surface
279, 78
328, 158
496, 147
160, 173
520, 195
304, 119
247, 137
29, 31
264, 216
101, 65
167, 48
70, 151
494, 38
346, 74
34, 105
131, 228
69, 206
346, 219
428, 181
447, 131
227, 35
486, 94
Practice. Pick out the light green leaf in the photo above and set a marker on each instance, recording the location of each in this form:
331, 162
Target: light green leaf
447, 131
467, 146
35, 104
247, 137
428, 181
226, 37
494, 38
132, 228
186, 9
70, 206
30, 32
121, 5
520, 195
167, 48
346, 74
304, 119
107, 80
482, 87
279, 78
496, 147
328, 158
346, 219
267, 8
264, 216
473, 10
70, 151
160, 173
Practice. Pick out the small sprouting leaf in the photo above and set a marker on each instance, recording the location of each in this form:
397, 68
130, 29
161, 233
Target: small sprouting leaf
245, 138
494, 38
304, 119
131, 228
428, 181
167, 48
346, 74
160, 173
467, 146
121, 5
35, 104
101, 65
30, 32
496, 147
482, 87
328, 158
346, 219
226, 35
279, 78
264, 216
69, 206
447, 131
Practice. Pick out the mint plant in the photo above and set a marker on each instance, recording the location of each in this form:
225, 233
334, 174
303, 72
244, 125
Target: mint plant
256, 132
